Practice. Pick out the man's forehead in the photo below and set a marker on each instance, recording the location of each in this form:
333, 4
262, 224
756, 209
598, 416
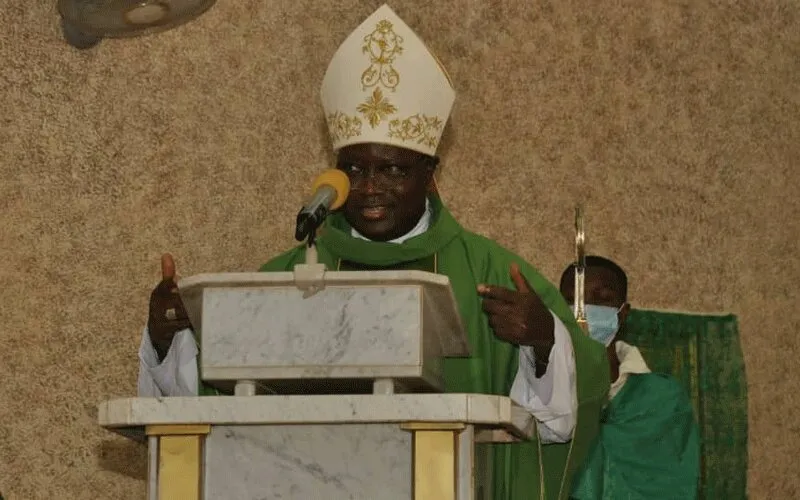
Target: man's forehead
601, 276
594, 276
378, 152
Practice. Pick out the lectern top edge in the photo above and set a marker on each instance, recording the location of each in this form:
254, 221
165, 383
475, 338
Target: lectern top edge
331, 278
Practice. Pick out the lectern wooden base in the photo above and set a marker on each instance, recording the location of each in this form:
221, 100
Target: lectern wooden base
393, 447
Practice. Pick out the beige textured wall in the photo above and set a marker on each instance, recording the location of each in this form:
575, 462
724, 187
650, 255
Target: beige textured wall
676, 121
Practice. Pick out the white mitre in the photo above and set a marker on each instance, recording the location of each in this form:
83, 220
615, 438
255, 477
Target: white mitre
384, 86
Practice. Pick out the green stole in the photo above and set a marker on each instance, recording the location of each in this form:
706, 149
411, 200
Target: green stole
648, 446
520, 470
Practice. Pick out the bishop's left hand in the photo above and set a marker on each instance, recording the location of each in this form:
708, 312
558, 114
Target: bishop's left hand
518, 316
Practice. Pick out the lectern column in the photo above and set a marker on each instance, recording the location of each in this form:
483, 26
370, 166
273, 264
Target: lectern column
443, 456
179, 475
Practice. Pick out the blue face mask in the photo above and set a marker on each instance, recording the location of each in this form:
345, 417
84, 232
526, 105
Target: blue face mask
603, 322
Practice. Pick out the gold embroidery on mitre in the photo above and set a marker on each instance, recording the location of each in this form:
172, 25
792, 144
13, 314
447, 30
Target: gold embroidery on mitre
382, 45
341, 126
421, 128
376, 108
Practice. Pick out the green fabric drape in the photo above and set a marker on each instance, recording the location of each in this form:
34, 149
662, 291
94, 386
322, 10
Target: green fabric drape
703, 352
648, 447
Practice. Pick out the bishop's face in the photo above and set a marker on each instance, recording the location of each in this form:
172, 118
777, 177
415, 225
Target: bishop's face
388, 187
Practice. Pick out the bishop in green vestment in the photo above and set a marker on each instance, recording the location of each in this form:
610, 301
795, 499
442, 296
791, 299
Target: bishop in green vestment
470, 260
648, 446
386, 100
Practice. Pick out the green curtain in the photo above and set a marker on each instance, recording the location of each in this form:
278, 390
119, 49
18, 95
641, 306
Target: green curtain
704, 353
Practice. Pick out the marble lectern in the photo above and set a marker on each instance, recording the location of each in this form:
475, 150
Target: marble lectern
337, 394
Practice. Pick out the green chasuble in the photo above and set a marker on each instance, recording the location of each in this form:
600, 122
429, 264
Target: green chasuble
521, 471
648, 446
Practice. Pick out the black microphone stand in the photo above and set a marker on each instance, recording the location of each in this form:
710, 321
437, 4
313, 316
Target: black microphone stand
307, 224
310, 275
311, 247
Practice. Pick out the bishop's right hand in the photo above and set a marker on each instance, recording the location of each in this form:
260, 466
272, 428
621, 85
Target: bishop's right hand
167, 314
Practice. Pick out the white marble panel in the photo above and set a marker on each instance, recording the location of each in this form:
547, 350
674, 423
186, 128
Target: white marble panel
277, 327
330, 462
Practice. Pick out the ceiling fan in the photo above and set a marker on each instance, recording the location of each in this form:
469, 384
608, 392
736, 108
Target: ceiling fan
85, 23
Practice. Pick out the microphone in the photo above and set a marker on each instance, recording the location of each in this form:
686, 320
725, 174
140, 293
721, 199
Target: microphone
330, 190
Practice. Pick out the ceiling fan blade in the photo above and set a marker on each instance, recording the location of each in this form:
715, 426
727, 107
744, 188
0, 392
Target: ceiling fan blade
127, 18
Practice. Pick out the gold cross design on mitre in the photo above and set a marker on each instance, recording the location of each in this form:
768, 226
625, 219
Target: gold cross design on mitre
376, 108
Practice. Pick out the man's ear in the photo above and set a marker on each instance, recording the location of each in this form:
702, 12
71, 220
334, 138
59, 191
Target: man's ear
431, 171
432, 187
623, 313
